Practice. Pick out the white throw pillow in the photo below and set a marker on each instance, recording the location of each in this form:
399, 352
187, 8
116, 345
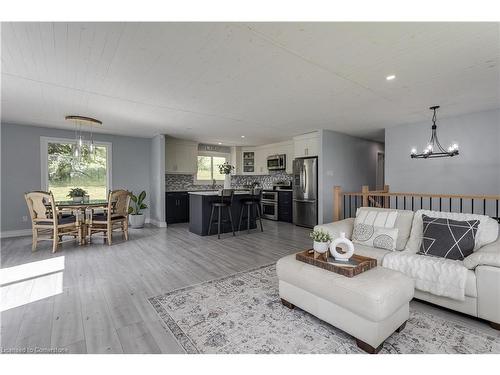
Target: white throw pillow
375, 236
383, 219
403, 223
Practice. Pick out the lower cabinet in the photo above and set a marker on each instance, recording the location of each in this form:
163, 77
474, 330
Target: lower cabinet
285, 206
177, 207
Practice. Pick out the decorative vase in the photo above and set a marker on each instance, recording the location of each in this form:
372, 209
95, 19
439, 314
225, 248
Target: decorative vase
136, 221
347, 248
227, 181
320, 247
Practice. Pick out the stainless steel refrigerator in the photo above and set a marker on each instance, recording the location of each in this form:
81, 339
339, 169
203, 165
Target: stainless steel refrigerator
305, 192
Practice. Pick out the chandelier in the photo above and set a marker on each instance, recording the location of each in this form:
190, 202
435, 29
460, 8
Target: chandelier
434, 148
80, 142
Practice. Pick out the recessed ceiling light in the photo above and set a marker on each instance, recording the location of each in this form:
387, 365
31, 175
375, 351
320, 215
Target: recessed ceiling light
219, 143
391, 77
242, 136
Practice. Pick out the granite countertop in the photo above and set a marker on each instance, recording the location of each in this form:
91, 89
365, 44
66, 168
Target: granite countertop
216, 192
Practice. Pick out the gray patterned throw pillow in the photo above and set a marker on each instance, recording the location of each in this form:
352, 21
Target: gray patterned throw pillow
446, 238
370, 235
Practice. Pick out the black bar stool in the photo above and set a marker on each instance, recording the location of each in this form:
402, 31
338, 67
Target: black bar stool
254, 200
226, 200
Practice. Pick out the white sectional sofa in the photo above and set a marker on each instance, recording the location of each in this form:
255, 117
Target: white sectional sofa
482, 268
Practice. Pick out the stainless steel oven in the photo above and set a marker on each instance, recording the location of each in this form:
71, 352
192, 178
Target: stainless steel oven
269, 204
276, 162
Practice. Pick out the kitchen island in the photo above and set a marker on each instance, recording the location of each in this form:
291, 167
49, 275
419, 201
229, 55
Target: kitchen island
200, 207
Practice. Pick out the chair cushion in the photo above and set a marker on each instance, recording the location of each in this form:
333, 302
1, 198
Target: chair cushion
104, 217
403, 223
65, 219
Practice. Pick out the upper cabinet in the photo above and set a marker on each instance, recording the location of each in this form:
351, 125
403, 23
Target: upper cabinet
253, 160
306, 145
180, 156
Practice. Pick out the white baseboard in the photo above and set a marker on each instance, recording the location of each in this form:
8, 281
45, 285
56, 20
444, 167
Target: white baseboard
15, 233
27, 232
157, 223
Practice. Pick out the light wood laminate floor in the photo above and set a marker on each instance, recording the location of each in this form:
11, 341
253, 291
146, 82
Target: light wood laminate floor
101, 305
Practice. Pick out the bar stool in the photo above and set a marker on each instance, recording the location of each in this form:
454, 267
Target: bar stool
254, 200
225, 201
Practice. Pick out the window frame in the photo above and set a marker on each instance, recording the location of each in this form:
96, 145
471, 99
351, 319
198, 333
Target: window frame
44, 160
211, 155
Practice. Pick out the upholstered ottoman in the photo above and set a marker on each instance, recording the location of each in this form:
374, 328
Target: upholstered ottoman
369, 306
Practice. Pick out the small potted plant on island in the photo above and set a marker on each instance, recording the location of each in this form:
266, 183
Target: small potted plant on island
77, 194
226, 170
136, 217
321, 242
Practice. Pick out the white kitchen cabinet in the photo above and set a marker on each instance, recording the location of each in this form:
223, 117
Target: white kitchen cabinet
306, 145
181, 156
247, 161
261, 154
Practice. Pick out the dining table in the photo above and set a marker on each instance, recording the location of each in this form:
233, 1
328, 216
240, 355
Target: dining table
83, 212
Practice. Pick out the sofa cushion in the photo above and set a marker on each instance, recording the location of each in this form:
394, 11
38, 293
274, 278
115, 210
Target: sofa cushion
371, 252
487, 231
403, 223
447, 238
470, 284
374, 295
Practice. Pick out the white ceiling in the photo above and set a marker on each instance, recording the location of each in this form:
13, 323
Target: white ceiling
214, 82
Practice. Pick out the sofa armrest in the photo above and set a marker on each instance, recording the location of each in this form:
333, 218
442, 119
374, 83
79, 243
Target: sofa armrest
488, 255
335, 228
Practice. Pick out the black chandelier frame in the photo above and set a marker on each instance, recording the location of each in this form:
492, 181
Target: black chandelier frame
434, 148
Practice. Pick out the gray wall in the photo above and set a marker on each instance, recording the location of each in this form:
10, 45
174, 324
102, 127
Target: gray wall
157, 183
475, 171
20, 164
345, 161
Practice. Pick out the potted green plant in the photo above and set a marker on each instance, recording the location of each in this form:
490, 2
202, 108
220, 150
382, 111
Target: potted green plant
77, 194
136, 217
321, 240
226, 170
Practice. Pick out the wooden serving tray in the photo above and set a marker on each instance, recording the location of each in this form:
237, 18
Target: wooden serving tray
357, 264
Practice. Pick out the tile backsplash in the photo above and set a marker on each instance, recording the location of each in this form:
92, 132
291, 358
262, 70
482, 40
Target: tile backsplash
176, 182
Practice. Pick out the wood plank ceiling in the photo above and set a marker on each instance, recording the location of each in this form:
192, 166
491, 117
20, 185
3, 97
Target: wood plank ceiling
268, 81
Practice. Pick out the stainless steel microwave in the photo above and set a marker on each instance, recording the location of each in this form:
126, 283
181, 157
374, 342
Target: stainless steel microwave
276, 162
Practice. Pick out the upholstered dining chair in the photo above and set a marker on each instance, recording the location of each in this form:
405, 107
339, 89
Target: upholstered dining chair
47, 222
114, 217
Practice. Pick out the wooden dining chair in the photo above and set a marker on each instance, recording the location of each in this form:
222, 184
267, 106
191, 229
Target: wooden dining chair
47, 223
114, 217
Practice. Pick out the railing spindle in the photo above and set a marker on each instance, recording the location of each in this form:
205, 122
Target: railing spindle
450, 204
484, 206
412, 203
404, 202
472, 205
344, 207
461, 205
440, 205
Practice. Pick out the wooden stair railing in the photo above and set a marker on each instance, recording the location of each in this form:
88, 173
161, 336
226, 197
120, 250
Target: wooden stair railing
345, 204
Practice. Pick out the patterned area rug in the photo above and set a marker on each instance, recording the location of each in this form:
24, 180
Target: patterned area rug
242, 313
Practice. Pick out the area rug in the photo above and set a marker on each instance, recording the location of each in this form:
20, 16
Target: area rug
242, 313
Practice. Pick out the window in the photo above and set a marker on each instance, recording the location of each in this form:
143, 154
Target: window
208, 167
61, 171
